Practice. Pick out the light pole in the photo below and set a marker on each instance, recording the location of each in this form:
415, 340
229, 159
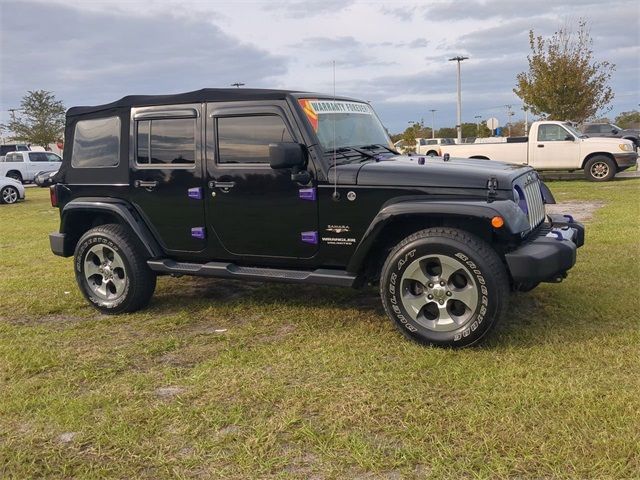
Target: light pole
459, 59
433, 122
477, 117
509, 115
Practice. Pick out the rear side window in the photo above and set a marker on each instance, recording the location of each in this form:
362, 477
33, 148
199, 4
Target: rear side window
52, 157
96, 143
22, 148
247, 139
166, 142
14, 157
38, 157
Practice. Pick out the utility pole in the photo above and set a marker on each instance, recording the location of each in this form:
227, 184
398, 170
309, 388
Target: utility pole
459, 59
509, 115
13, 113
477, 117
237, 84
526, 120
433, 122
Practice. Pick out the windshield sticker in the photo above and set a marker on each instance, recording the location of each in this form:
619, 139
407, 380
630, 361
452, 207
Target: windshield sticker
313, 108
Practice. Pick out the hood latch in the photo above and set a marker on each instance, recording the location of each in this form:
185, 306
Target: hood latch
492, 189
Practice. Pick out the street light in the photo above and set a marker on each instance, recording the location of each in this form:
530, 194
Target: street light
477, 117
433, 122
459, 59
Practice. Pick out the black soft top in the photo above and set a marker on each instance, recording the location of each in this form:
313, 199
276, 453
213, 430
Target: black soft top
196, 96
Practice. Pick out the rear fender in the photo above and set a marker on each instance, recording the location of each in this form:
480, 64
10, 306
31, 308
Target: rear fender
75, 213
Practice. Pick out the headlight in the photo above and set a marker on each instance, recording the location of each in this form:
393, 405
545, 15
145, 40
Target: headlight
519, 198
625, 147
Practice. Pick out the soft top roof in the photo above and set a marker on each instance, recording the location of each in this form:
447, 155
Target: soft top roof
196, 96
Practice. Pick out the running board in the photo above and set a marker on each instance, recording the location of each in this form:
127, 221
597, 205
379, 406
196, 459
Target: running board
339, 278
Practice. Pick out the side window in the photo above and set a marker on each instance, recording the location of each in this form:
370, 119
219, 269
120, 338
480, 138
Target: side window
14, 157
22, 148
38, 157
52, 157
166, 141
551, 133
591, 129
96, 143
246, 139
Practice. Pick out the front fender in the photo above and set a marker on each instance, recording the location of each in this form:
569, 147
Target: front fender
515, 220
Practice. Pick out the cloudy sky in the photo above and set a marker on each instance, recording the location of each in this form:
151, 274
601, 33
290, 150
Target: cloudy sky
392, 53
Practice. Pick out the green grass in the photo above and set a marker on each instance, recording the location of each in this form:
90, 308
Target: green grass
295, 382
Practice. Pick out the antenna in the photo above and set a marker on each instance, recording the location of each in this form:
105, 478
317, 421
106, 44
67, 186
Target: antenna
336, 195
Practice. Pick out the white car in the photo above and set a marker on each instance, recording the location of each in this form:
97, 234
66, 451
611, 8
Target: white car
24, 166
10, 190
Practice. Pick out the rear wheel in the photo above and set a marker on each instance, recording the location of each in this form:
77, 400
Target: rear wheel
9, 194
111, 270
445, 287
15, 175
432, 153
600, 169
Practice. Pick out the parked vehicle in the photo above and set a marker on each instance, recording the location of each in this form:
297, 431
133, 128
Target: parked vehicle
12, 147
45, 179
10, 190
612, 130
301, 188
24, 165
424, 146
556, 146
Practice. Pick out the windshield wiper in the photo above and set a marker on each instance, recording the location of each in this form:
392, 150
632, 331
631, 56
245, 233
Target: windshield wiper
379, 145
343, 150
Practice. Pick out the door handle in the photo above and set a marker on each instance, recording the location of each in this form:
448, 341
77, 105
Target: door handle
149, 185
540, 146
225, 185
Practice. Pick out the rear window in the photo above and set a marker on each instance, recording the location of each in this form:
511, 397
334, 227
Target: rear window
4, 149
96, 143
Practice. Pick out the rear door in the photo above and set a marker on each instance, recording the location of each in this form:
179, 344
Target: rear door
253, 209
38, 162
166, 171
555, 148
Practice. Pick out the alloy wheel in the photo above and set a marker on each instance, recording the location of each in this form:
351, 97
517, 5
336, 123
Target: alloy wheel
439, 292
105, 273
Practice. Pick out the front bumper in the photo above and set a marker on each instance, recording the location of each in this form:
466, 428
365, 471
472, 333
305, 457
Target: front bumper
548, 257
626, 160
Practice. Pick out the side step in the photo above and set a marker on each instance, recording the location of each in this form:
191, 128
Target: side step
339, 278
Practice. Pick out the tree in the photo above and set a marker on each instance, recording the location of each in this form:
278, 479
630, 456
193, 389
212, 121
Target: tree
628, 119
41, 121
564, 82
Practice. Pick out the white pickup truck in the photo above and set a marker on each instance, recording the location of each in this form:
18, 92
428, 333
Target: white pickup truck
555, 146
24, 166
424, 146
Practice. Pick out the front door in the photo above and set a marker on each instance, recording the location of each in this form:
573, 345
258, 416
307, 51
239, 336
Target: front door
554, 148
253, 209
166, 179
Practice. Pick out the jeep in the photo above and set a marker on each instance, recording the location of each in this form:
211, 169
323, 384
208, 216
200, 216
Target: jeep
299, 187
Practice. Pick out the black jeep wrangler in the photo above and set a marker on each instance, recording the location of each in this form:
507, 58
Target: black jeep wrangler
301, 188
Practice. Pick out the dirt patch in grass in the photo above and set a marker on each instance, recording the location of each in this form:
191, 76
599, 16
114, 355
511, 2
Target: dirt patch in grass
581, 211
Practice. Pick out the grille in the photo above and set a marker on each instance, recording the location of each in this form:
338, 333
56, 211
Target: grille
530, 186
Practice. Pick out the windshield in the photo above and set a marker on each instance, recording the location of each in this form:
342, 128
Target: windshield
573, 130
354, 123
613, 125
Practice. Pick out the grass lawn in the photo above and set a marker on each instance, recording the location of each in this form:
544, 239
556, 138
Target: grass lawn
219, 379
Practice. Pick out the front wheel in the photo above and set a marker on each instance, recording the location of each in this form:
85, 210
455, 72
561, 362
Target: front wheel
444, 287
111, 270
600, 169
9, 194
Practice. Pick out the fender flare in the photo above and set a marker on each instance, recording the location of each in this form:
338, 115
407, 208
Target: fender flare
515, 220
121, 209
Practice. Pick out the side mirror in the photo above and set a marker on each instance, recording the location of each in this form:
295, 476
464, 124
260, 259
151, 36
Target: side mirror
569, 138
287, 155
615, 131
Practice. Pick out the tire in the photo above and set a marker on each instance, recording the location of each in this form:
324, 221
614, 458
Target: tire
432, 153
111, 270
9, 195
600, 169
16, 176
459, 313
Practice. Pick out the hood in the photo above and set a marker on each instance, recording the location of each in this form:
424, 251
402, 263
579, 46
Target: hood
610, 142
403, 170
